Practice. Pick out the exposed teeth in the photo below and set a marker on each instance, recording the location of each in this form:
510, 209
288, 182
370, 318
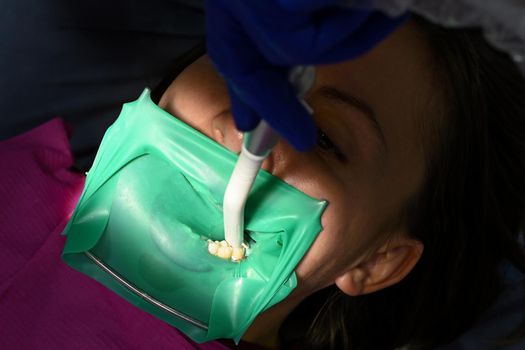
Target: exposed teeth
223, 250
238, 253
213, 247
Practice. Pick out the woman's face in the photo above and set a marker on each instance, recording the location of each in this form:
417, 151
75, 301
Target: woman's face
369, 160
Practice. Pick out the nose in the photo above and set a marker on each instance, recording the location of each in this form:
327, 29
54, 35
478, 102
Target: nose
225, 133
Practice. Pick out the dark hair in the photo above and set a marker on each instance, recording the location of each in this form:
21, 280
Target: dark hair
468, 214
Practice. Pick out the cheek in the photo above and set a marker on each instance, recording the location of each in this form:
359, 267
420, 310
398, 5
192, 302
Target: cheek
311, 175
349, 222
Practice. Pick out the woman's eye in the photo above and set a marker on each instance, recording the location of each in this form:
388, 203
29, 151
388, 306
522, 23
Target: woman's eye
324, 143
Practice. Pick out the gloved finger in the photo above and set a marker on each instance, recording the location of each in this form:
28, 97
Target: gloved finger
376, 28
245, 118
270, 96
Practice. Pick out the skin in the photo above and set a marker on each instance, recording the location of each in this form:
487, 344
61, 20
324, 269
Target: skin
377, 167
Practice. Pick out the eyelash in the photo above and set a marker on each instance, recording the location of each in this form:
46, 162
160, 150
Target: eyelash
326, 144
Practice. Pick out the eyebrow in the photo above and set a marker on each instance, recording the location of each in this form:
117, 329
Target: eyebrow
339, 96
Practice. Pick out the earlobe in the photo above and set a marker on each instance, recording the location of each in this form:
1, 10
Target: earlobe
352, 282
386, 267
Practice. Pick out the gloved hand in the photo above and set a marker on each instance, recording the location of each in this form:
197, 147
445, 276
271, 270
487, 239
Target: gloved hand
254, 43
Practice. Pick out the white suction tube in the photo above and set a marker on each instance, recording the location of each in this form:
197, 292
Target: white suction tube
256, 147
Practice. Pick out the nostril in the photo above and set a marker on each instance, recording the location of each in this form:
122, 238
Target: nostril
233, 141
218, 135
225, 132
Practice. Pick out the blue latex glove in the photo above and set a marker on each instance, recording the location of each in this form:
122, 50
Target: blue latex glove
254, 43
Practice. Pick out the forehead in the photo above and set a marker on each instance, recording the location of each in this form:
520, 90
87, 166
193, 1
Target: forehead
396, 77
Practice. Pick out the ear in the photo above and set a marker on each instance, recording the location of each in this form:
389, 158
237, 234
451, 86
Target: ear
386, 267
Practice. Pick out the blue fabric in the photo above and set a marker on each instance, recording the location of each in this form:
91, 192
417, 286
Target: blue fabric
507, 313
81, 60
254, 44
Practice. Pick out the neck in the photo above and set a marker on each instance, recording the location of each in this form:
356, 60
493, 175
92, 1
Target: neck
264, 331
